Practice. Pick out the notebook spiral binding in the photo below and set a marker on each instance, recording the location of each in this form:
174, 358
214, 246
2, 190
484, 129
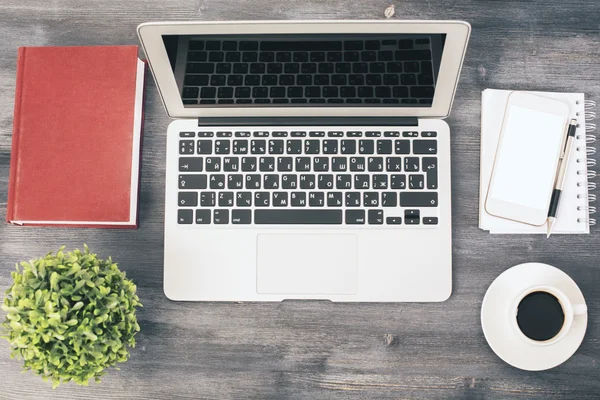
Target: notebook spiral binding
590, 138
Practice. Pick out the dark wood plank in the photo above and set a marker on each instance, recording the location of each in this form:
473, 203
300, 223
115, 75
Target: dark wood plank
318, 349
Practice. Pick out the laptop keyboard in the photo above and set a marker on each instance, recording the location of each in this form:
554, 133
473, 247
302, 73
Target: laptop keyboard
304, 177
365, 72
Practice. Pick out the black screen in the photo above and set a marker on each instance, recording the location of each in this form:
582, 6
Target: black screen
306, 70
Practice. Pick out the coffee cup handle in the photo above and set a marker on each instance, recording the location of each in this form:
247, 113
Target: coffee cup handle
579, 309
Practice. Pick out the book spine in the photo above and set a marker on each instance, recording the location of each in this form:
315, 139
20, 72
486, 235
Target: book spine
14, 155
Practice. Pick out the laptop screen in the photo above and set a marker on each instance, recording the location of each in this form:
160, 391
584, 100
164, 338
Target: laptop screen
374, 70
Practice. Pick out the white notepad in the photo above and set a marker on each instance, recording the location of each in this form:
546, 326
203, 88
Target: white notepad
574, 210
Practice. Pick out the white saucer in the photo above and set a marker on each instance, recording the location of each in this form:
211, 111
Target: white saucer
504, 340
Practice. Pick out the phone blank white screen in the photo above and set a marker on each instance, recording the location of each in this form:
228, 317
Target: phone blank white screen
527, 158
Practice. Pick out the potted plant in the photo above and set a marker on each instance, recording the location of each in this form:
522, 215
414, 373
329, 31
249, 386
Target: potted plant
70, 316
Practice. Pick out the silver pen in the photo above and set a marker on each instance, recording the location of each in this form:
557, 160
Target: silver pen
560, 177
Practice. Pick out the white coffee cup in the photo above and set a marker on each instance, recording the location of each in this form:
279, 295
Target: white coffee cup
569, 309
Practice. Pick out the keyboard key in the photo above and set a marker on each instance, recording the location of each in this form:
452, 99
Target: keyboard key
249, 164
204, 147
375, 164
425, 147
258, 146
307, 181
253, 181
429, 165
294, 146
213, 164
200, 68
298, 134
343, 181
203, 217
393, 164
422, 91
384, 146
330, 146
297, 217
266, 164
316, 199
393, 220
412, 217
241, 216
207, 199
375, 217
334, 199
418, 199
189, 182
312, 146
271, 181
411, 164
342, 68
231, 164
190, 92
389, 199
240, 146
298, 199
410, 134
217, 181
261, 199
366, 147
398, 181
371, 199
430, 220
280, 199
225, 199
361, 181
190, 164
365, 91
222, 146
185, 216
291, 68
285, 164
380, 182
348, 147
357, 164
242, 92
355, 217
243, 199
352, 199
429, 134
402, 146
221, 217
187, 199
321, 164
347, 91
325, 181
289, 181
416, 181
303, 163
235, 181
339, 164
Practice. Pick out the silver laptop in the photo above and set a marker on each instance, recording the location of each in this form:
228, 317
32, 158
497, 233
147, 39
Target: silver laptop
307, 159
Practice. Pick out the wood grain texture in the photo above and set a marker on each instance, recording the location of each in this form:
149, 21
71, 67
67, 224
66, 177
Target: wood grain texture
319, 350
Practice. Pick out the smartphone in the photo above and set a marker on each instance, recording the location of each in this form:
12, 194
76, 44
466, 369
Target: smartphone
531, 143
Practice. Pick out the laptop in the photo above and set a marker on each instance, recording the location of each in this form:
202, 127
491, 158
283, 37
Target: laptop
307, 159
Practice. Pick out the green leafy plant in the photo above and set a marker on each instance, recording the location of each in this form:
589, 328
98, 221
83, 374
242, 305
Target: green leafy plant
70, 316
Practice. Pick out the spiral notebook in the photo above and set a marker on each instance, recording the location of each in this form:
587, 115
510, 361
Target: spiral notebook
575, 207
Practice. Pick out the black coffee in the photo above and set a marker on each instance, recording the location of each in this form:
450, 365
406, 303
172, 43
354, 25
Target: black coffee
540, 316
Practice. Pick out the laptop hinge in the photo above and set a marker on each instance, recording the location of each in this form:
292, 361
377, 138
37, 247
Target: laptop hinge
308, 121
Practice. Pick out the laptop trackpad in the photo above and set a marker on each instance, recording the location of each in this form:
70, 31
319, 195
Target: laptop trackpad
306, 264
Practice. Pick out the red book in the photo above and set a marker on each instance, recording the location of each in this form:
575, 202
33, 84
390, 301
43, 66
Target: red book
75, 157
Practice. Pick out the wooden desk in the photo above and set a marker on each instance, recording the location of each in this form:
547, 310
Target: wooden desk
319, 350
